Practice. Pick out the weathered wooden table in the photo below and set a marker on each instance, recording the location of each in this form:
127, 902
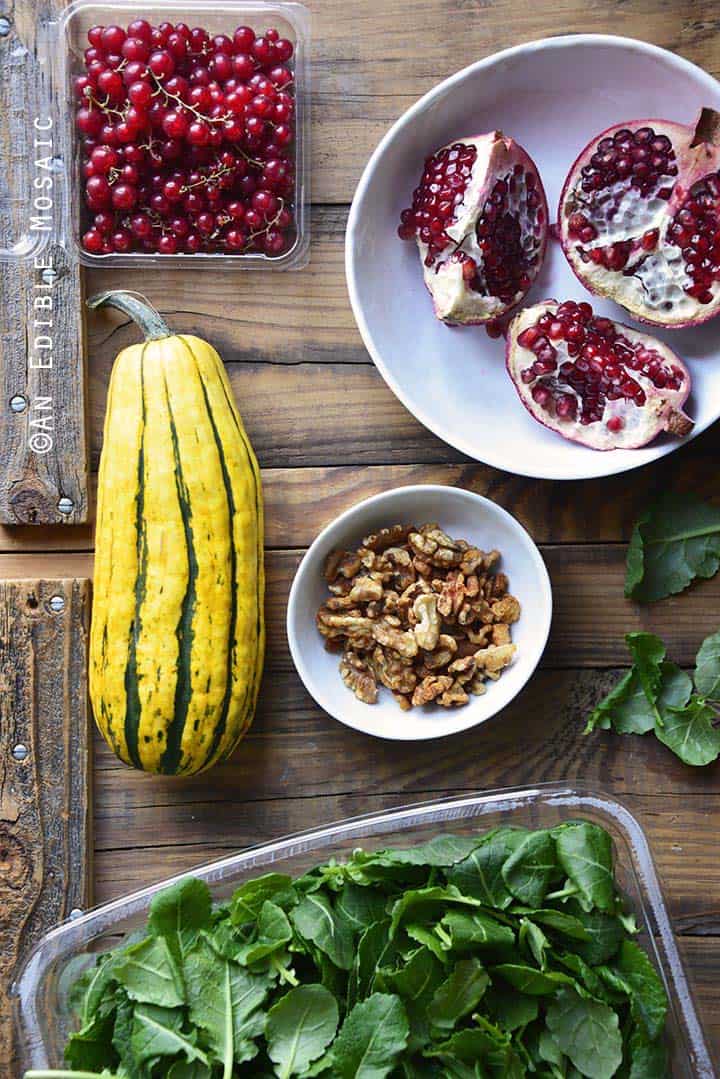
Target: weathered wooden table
328, 432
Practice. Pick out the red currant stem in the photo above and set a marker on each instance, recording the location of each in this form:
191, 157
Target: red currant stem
250, 160
213, 176
191, 108
276, 218
103, 106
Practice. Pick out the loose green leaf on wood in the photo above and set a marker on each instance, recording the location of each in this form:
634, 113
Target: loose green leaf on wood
707, 668
674, 541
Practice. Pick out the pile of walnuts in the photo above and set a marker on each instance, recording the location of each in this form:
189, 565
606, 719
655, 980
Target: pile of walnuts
420, 613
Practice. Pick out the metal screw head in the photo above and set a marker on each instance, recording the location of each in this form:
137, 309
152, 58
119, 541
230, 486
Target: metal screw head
18, 403
57, 604
66, 505
5, 26
20, 752
49, 276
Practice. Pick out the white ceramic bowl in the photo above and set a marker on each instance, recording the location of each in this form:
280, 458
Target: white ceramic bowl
463, 515
552, 96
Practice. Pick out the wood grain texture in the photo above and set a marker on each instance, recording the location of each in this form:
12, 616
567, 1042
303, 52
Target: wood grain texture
590, 619
674, 826
603, 511
294, 748
45, 770
42, 348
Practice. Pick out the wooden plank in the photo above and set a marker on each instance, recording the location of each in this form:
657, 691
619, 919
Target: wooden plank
294, 748
401, 50
176, 829
42, 350
283, 318
701, 959
553, 513
586, 579
45, 802
359, 421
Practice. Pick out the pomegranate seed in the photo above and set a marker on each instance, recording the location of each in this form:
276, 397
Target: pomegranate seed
528, 337
566, 406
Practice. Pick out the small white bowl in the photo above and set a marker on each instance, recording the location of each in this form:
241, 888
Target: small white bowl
463, 515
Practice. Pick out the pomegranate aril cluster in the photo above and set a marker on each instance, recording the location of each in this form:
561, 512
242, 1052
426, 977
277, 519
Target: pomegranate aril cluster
187, 140
582, 362
643, 160
508, 256
696, 230
435, 200
641, 157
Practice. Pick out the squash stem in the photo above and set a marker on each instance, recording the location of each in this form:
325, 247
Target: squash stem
140, 310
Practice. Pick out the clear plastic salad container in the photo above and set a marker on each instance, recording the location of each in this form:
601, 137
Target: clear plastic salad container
64, 41
41, 990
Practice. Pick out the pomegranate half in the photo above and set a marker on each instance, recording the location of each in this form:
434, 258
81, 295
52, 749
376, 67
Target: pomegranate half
639, 218
593, 380
479, 215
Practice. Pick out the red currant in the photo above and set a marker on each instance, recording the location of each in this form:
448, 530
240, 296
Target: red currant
236, 238
243, 39
104, 222
104, 158
89, 121
177, 45
243, 66
112, 39
124, 196
175, 124
220, 66
134, 48
141, 29
135, 71
97, 190
122, 240
283, 50
173, 190
198, 133
140, 94
141, 226
93, 241
162, 64
167, 245
263, 50
199, 40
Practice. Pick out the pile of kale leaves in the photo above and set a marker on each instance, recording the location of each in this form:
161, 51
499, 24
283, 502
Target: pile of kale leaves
507, 954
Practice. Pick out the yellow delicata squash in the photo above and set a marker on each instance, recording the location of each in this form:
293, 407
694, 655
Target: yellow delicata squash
177, 637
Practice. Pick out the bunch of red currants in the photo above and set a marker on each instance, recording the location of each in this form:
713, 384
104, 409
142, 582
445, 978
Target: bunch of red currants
187, 140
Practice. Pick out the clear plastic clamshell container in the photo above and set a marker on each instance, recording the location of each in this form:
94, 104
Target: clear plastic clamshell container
38, 70
41, 990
